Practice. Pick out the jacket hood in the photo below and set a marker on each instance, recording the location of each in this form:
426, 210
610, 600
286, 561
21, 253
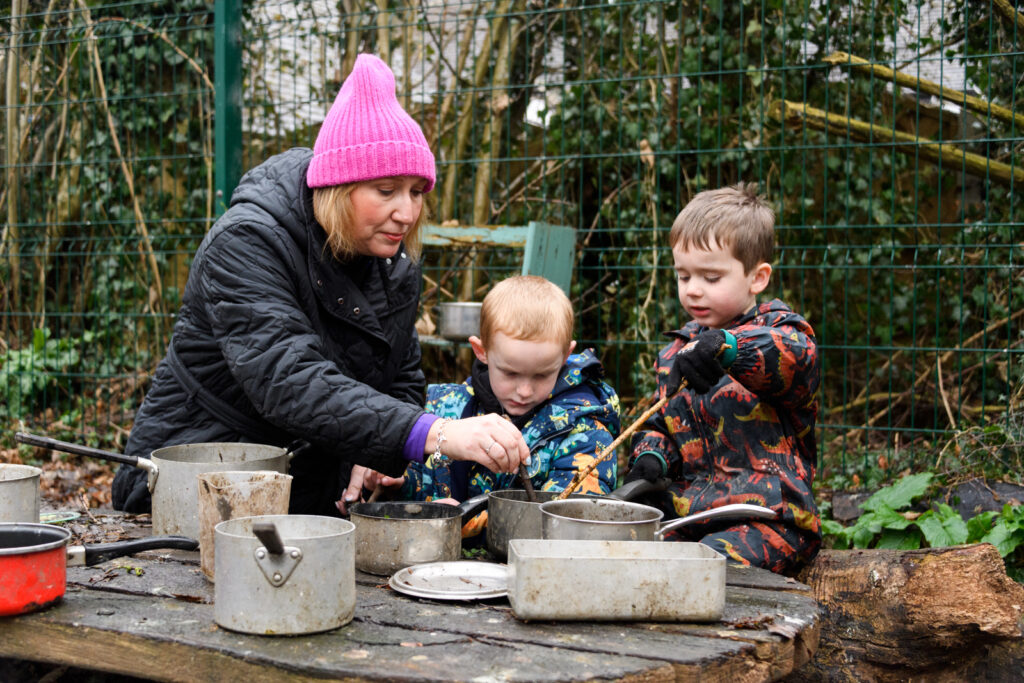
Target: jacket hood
278, 188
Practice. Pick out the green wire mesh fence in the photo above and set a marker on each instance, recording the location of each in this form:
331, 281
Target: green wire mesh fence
887, 135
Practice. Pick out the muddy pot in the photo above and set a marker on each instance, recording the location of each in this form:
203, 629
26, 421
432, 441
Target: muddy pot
284, 574
19, 493
230, 495
394, 535
172, 473
597, 519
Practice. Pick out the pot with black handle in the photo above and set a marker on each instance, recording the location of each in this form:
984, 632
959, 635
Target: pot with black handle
172, 472
34, 559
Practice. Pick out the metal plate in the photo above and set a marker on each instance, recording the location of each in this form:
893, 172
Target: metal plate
461, 580
58, 517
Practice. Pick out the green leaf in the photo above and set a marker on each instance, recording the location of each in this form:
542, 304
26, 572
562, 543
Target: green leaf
942, 527
907, 539
980, 525
901, 494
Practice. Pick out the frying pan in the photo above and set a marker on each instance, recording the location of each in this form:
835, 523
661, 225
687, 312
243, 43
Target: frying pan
34, 560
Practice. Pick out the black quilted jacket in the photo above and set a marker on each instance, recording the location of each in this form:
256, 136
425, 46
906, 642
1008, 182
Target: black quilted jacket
297, 344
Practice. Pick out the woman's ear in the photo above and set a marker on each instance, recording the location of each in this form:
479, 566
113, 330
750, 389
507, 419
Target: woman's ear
478, 349
762, 274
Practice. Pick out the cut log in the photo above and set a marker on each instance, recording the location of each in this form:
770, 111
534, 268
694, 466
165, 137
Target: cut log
935, 613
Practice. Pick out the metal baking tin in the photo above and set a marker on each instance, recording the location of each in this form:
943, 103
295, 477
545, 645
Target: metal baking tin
615, 580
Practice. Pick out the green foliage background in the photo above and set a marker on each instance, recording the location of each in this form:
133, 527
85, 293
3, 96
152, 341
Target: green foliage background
910, 270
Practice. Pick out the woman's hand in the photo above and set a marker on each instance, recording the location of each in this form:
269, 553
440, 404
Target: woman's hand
490, 440
364, 478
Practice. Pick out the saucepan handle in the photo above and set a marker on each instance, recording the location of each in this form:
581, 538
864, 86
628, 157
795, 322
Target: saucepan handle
267, 533
88, 555
730, 511
471, 506
639, 487
65, 447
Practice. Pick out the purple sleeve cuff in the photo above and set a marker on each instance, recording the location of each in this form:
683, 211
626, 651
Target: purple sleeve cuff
413, 450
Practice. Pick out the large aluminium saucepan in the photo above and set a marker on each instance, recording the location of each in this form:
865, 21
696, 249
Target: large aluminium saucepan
616, 520
172, 473
34, 560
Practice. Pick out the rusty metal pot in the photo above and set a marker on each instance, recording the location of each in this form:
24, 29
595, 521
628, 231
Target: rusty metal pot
394, 535
172, 473
19, 493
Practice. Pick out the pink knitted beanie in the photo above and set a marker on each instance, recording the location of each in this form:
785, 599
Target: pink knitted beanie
367, 134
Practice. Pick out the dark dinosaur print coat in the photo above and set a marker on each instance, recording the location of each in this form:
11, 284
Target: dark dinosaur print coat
750, 439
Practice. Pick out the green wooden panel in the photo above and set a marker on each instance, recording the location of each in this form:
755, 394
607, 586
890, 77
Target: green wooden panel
550, 252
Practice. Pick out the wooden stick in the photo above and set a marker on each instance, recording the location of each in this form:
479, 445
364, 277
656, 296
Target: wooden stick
527, 484
582, 474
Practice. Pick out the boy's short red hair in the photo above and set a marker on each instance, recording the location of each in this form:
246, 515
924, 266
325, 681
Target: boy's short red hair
527, 307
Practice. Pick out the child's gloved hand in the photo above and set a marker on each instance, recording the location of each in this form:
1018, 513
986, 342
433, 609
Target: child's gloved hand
647, 467
697, 363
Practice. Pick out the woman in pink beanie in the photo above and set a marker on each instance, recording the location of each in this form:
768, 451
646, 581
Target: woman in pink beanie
297, 325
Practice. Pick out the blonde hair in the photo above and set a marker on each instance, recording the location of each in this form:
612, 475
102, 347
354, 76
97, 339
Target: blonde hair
332, 208
527, 307
735, 217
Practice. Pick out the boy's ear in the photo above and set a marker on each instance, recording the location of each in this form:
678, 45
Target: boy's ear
572, 346
762, 274
478, 349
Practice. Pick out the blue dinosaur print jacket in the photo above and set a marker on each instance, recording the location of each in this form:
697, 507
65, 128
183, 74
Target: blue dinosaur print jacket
579, 420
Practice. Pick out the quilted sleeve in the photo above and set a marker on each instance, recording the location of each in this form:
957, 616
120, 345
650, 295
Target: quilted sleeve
278, 358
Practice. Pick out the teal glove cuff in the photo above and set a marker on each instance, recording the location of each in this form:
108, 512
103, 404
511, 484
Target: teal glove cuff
729, 355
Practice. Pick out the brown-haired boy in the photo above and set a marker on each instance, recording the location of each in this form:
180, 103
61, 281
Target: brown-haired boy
525, 369
742, 434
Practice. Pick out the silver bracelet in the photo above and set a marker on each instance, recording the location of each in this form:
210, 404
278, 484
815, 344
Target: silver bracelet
441, 438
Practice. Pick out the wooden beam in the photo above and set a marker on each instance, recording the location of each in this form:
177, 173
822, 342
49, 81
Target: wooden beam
797, 113
975, 104
1007, 10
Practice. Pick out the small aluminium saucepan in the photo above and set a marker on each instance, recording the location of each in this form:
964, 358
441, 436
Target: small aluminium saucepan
615, 520
34, 560
19, 493
394, 535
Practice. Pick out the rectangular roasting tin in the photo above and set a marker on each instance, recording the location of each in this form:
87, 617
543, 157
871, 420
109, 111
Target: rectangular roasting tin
615, 580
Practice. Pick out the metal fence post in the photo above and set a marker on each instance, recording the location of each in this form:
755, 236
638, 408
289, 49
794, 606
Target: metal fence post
227, 120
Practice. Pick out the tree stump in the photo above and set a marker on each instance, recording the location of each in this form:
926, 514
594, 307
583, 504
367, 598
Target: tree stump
945, 614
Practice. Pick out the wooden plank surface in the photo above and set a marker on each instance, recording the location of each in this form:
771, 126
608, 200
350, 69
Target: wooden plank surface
152, 616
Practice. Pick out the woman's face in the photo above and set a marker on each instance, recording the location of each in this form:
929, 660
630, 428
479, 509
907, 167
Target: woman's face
383, 211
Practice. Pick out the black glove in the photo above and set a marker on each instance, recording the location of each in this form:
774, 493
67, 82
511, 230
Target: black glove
697, 363
647, 467
130, 490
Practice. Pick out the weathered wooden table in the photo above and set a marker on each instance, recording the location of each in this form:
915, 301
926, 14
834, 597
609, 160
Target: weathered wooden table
151, 616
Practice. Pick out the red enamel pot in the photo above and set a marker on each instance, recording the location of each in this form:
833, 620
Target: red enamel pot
34, 560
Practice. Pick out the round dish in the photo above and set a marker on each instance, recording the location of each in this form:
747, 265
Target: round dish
459, 580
